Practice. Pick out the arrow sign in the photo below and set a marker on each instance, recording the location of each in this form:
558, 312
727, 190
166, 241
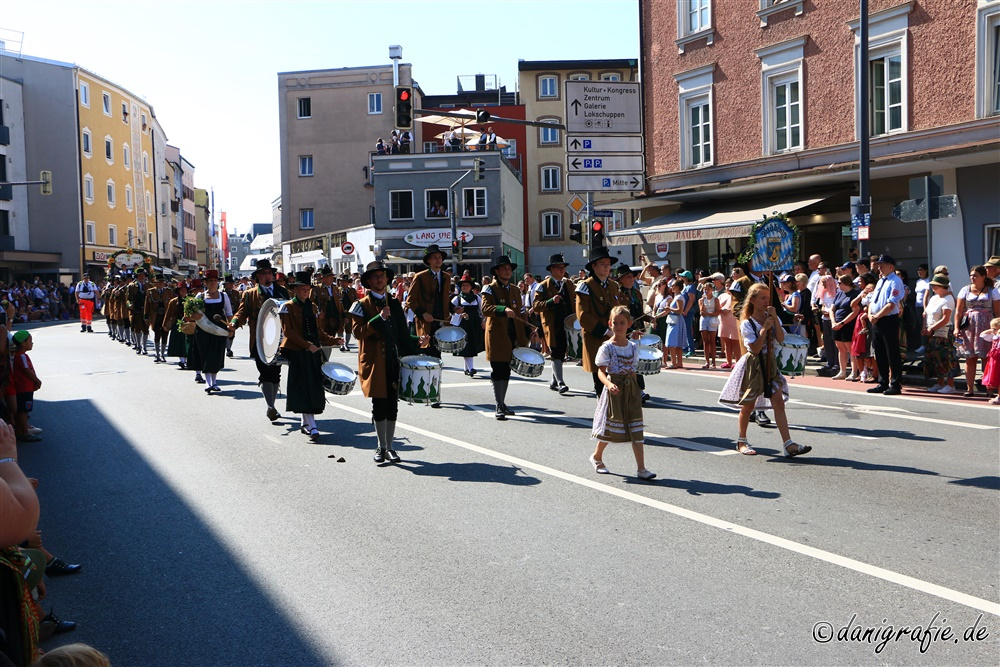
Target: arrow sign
618, 164
603, 107
604, 144
576, 107
604, 183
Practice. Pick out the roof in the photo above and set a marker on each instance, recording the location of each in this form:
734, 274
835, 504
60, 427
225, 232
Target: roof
262, 242
535, 65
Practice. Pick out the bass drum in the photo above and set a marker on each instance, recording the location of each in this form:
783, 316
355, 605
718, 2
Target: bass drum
268, 332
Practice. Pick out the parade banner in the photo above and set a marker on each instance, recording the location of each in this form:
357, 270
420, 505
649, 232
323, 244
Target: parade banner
773, 245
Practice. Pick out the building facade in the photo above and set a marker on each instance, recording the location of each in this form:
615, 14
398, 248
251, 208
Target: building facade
541, 86
753, 106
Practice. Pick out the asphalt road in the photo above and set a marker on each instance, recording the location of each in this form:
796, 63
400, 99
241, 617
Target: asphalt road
211, 537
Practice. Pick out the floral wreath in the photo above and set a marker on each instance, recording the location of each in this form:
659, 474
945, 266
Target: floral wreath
147, 262
746, 256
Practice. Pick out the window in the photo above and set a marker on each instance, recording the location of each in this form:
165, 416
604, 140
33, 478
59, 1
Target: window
436, 203
85, 94
149, 243
305, 107
580, 76
551, 179
886, 79
547, 135
128, 197
401, 205
695, 104
510, 150
305, 165
131, 237
144, 128
770, 7
91, 232
887, 69
125, 112
551, 225
781, 81
992, 240
111, 194
149, 204
306, 219
616, 221
374, 103
106, 99
548, 86
109, 150
988, 60
112, 235
430, 147
787, 121
611, 76
475, 202
694, 22
87, 147
126, 157
145, 163
88, 188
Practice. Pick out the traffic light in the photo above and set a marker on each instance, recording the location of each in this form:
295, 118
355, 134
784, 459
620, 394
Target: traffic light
576, 231
596, 233
457, 249
477, 169
46, 182
482, 116
404, 107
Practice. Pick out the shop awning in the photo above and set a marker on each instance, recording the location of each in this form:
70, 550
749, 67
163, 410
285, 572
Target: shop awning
703, 223
474, 255
310, 257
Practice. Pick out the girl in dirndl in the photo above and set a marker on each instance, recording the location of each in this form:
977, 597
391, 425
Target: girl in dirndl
468, 306
756, 383
991, 375
618, 417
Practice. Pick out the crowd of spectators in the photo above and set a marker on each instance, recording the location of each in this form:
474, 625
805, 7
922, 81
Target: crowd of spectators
38, 301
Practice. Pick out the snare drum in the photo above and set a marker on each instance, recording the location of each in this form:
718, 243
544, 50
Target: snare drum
574, 337
651, 340
791, 354
450, 339
420, 379
527, 362
269, 335
650, 360
338, 379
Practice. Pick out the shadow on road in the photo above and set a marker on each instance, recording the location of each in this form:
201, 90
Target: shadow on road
157, 587
988, 482
697, 487
470, 472
848, 463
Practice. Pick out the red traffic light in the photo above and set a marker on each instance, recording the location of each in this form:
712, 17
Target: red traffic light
598, 226
404, 95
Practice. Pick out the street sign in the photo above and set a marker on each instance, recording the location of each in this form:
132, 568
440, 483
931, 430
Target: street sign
347, 248
618, 164
863, 233
605, 183
604, 144
576, 204
915, 210
603, 214
603, 107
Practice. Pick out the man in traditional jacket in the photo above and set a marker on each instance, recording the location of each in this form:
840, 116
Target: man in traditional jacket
596, 295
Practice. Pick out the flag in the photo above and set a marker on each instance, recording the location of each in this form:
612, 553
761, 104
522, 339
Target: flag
225, 237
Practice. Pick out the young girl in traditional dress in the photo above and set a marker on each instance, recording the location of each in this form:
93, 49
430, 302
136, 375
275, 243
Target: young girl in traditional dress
709, 323
747, 387
991, 374
619, 411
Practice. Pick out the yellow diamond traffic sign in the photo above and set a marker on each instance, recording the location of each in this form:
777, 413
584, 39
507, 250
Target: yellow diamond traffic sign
576, 204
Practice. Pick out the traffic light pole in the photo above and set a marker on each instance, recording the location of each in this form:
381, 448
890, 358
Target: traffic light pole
863, 121
453, 196
590, 222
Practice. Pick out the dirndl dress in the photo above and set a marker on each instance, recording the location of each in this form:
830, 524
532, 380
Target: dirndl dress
991, 374
619, 418
746, 384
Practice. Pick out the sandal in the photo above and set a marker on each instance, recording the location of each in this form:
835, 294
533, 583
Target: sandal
599, 466
994, 401
743, 447
705, 367
799, 449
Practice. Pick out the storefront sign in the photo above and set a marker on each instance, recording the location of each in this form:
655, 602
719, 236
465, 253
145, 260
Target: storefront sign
100, 256
425, 237
710, 234
662, 249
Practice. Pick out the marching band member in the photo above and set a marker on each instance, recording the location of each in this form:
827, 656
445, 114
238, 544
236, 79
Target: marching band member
86, 297
176, 341
348, 295
106, 293
504, 312
595, 297
212, 348
379, 324
136, 306
195, 361
631, 296
329, 300
229, 285
428, 298
554, 301
468, 305
304, 332
119, 298
268, 376
154, 312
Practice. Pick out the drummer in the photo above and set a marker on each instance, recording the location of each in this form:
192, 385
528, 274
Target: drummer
631, 296
212, 348
176, 341
428, 298
229, 286
468, 306
348, 295
554, 301
379, 324
137, 305
596, 295
329, 300
303, 332
154, 310
268, 376
504, 313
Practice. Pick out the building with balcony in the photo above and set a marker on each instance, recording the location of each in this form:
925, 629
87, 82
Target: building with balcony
541, 86
755, 106
414, 202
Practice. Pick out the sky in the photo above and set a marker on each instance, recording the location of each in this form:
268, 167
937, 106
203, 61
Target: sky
209, 67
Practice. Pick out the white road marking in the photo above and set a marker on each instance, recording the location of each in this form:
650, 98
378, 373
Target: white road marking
929, 588
735, 415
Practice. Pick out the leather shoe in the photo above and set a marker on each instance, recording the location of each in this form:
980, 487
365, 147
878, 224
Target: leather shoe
391, 454
379, 456
761, 418
52, 625
272, 414
57, 567
893, 390
878, 389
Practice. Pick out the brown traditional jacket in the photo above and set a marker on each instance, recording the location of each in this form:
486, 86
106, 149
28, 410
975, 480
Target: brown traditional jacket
330, 305
175, 311
593, 307
154, 298
554, 314
252, 301
371, 332
424, 296
291, 328
497, 299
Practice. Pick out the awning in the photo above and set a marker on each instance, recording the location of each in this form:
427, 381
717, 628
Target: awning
307, 257
474, 255
703, 223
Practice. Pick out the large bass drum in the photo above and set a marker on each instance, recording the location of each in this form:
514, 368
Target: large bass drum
268, 333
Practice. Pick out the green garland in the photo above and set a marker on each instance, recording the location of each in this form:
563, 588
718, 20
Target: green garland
748, 251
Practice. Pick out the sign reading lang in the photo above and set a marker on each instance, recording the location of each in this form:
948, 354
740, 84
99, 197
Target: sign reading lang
425, 237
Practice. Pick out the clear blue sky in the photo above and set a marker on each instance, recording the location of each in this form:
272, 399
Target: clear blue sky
209, 67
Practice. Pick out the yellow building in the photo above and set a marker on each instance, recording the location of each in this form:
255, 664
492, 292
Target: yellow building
116, 147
